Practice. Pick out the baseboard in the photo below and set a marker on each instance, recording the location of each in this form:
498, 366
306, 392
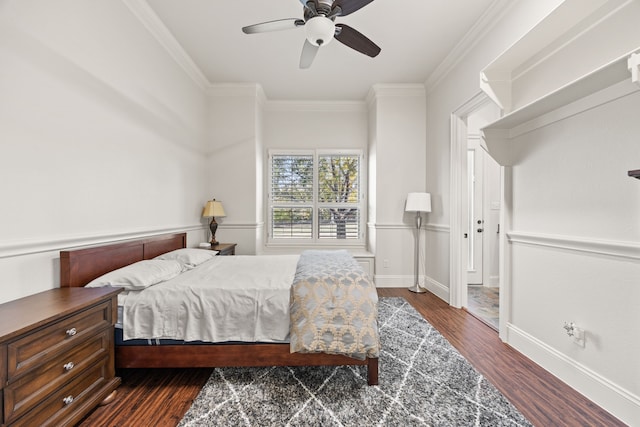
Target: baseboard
437, 288
494, 282
433, 286
618, 401
393, 281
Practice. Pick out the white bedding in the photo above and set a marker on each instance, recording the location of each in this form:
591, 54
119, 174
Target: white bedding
229, 298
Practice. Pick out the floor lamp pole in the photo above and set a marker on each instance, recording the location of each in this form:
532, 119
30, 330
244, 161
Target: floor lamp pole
416, 286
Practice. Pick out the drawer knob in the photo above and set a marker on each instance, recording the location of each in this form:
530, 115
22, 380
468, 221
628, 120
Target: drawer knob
68, 366
71, 332
67, 400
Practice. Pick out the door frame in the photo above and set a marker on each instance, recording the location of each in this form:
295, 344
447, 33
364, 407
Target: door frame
458, 211
479, 240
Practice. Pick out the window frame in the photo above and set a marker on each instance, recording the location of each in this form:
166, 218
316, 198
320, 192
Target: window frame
315, 204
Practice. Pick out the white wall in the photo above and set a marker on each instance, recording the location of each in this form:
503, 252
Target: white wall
398, 132
574, 219
101, 136
234, 161
313, 125
575, 227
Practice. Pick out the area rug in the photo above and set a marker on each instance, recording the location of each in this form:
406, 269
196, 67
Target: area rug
424, 381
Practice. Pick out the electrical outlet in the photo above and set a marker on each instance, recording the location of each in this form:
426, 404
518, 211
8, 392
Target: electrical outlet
385, 263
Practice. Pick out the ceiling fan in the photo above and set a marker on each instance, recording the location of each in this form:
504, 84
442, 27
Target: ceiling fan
319, 22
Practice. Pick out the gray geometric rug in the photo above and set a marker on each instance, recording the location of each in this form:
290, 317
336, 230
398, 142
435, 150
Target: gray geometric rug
424, 381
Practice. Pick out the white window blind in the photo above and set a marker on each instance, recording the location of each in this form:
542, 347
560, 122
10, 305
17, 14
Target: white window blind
315, 197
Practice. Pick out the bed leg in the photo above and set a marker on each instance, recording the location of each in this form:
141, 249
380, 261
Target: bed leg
372, 371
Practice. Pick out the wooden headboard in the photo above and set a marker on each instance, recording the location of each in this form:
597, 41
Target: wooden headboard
79, 267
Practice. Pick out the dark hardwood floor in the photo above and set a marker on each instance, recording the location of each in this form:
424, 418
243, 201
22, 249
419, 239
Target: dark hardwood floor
160, 397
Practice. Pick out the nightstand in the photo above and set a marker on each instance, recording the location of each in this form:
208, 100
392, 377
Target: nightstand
225, 248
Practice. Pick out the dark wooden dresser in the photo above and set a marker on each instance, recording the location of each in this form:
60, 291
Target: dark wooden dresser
57, 355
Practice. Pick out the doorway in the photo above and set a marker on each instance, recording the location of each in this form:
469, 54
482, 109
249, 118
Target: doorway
475, 213
483, 227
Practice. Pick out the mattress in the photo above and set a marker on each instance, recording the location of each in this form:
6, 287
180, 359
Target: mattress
229, 298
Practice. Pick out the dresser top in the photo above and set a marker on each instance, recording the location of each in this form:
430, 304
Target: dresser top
21, 315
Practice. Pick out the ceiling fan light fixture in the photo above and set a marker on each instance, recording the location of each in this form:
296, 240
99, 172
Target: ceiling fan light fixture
320, 30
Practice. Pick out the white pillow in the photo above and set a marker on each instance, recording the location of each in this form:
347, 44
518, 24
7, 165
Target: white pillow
139, 275
189, 257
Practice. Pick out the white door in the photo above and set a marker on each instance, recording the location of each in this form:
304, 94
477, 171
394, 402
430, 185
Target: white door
475, 226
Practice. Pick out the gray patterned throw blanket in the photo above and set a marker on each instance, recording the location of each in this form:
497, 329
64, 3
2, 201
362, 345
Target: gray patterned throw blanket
334, 306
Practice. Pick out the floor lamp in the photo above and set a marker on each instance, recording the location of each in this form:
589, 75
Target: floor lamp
418, 203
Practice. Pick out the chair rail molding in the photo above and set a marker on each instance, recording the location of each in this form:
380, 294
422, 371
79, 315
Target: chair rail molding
29, 247
608, 248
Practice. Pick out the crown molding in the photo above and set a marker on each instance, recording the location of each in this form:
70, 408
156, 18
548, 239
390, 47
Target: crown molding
234, 89
151, 21
384, 90
479, 30
319, 106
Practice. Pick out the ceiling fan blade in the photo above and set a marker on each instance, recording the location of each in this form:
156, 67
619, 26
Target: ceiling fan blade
356, 40
280, 24
349, 6
308, 54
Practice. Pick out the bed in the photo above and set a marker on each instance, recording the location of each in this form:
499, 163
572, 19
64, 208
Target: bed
79, 267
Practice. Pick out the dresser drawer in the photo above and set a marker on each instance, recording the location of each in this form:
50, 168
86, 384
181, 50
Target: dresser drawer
60, 405
23, 394
37, 348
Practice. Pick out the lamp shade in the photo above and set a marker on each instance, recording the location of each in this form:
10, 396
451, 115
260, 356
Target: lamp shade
418, 202
213, 208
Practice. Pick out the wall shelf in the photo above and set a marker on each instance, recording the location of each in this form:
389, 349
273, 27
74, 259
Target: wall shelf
562, 25
579, 95
582, 54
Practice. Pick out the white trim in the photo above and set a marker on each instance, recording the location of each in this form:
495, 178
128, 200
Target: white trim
404, 281
240, 226
482, 27
400, 226
458, 198
29, 247
393, 281
437, 228
609, 248
317, 106
437, 288
229, 90
384, 90
593, 385
504, 254
155, 26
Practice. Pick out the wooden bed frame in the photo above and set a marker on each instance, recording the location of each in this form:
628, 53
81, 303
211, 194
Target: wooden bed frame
79, 267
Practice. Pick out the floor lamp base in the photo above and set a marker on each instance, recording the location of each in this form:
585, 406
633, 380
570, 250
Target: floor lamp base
417, 289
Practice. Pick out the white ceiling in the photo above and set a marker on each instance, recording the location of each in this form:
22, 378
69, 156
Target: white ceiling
415, 37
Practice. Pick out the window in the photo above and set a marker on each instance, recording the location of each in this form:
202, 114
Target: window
315, 197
